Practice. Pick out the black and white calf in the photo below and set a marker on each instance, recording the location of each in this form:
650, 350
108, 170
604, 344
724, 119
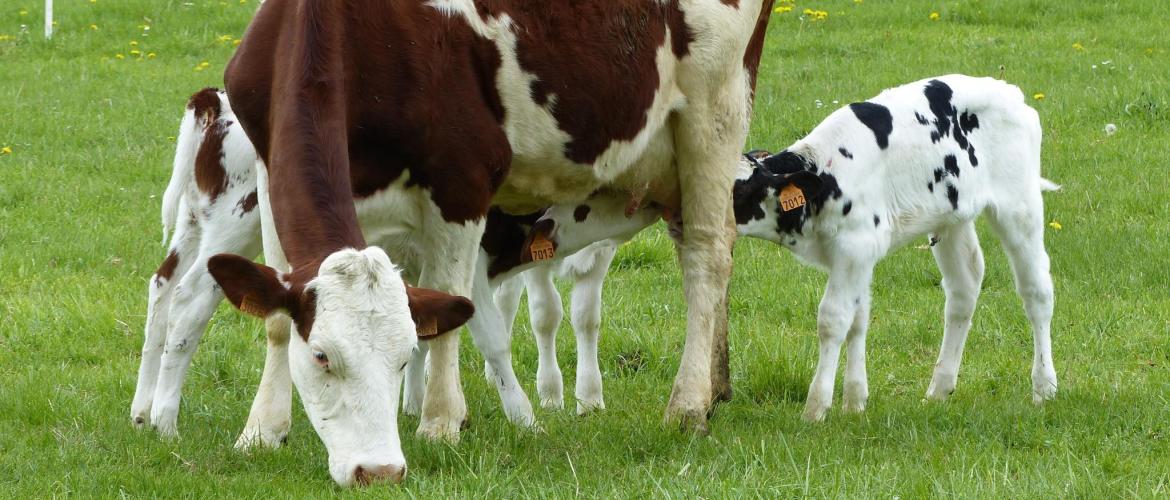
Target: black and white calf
924, 158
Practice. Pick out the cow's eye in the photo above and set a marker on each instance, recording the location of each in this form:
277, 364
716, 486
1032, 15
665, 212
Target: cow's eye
321, 359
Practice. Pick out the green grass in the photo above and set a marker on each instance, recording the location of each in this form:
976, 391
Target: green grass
91, 150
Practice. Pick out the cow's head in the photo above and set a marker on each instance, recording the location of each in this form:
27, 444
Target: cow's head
358, 323
762, 180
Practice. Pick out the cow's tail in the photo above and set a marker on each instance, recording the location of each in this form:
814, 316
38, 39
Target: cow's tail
1047, 185
202, 110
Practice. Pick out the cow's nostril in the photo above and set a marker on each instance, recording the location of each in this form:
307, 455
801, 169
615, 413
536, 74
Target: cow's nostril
369, 474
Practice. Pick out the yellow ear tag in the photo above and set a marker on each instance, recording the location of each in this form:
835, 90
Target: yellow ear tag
541, 249
791, 198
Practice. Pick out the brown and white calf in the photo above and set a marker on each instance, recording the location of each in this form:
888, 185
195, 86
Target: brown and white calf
425, 114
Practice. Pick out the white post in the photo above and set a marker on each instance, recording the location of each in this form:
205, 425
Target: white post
48, 19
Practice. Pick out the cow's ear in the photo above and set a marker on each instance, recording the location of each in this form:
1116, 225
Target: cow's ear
254, 288
540, 244
809, 183
435, 312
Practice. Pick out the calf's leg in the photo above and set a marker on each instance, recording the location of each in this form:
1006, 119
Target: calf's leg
848, 284
585, 311
545, 314
960, 260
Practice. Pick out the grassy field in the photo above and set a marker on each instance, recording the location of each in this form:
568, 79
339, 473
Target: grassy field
86, 126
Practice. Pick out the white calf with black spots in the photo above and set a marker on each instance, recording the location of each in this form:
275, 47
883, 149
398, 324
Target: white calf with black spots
924, 158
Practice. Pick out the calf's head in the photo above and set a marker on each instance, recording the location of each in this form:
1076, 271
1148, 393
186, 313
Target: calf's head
572, 227
357, 323
762, 180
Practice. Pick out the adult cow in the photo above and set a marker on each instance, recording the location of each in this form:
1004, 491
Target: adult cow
400, 122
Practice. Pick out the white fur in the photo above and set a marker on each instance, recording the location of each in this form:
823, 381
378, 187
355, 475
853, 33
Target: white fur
179, 307
891, 184
363, 325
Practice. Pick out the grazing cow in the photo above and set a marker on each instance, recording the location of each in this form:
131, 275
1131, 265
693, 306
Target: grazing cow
926, 157
210, 140
210, 206
424, 114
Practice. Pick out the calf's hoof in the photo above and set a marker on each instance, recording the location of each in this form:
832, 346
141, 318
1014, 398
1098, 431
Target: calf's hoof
1043, 389
941, 387
815, 411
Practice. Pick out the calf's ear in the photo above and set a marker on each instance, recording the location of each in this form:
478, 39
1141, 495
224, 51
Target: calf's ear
435, 312
253, 288
539, 244
809, 183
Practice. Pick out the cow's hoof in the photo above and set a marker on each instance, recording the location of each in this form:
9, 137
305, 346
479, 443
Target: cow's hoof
254, 437
440, 429
694, 420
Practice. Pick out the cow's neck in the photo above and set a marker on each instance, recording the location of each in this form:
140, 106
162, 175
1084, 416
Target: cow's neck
313, 209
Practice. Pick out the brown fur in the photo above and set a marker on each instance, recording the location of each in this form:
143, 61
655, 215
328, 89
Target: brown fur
167, 269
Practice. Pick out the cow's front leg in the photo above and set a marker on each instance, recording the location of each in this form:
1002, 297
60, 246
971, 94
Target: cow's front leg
708, 136
271, 414
449, 266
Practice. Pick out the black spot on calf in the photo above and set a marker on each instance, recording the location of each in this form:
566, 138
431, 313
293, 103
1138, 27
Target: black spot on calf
921, 119
876, 220
845, 152
580, 213
930, 186
877, 118
953, 196
848, 207
951, 165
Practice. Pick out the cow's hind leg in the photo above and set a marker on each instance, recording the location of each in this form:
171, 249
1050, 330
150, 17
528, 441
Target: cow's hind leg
960, 260
545, 314
183, 249
708, 135
1020, 228
193, 303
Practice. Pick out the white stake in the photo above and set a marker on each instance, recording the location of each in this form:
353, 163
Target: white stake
48, 19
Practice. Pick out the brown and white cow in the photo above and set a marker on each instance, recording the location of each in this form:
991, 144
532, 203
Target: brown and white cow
400, 123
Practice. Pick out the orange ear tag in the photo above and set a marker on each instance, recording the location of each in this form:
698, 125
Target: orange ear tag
791, 198
428, 328
250, 306
541, 249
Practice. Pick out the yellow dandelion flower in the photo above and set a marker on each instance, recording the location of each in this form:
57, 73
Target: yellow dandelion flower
236, 42
1078, 46
5, 38
204, 64
1039, 96
934, 16
1055, 225
6, 150
92, 1
23, 12
224, 38
197, 68
782, 9
135, 52
93, 27
150, 55
133, 43
858, 1
119, 56
242, 2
